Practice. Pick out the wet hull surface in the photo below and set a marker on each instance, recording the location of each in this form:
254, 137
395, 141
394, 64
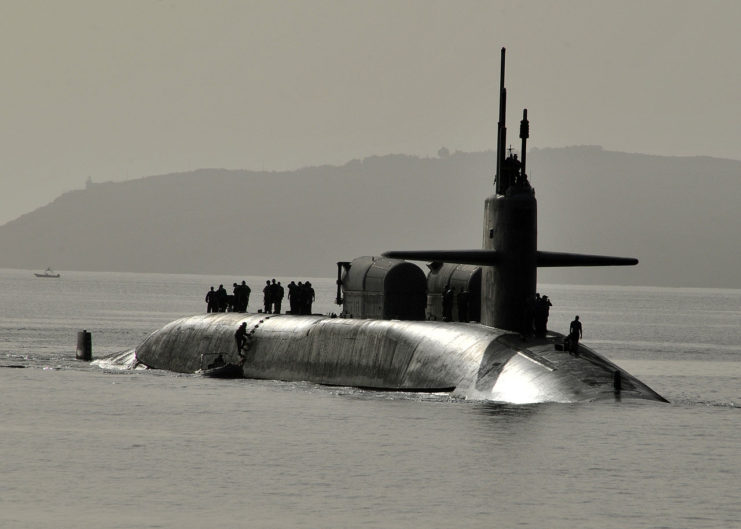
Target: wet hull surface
472, 360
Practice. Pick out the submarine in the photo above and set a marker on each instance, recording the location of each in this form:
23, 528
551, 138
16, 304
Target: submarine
392, 333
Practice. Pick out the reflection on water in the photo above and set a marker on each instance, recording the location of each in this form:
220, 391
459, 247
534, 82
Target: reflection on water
509, 411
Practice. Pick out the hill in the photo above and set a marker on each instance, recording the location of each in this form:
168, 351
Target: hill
678, 215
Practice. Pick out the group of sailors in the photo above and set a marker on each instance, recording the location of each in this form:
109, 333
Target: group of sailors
220, 301
537, 310
300, 297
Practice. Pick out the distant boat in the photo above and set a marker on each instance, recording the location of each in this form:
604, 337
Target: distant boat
48, 273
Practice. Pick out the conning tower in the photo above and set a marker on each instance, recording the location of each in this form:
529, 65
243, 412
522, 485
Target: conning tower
509, 255
510, 231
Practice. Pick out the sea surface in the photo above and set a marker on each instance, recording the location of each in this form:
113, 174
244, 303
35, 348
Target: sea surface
82, 446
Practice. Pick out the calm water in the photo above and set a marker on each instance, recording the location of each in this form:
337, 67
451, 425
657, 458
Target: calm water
84, 447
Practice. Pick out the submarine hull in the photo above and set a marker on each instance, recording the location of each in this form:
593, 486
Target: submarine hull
468, 359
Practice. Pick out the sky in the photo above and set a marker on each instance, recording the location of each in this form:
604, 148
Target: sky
113, 90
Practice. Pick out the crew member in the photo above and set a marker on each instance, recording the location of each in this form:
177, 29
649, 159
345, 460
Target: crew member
211, 300
241, 337
267, 299
575, 334
546, 312
221, 298
273, 296
542, 311
278, 299
244, 296
309, 299
300, 298
292, 297
233, 301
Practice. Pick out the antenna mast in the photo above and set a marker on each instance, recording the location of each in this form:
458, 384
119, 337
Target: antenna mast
502, 128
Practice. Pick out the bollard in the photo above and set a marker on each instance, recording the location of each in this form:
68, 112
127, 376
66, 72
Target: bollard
84, 346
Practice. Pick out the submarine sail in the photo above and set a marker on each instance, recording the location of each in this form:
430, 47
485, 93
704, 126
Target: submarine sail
384, 339
509, 254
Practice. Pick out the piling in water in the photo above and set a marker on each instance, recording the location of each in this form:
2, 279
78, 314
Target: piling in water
84, 346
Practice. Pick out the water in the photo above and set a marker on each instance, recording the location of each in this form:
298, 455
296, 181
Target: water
84, 447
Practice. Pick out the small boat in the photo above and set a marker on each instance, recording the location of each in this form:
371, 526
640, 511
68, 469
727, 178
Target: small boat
220, 368
225, 371
48, 273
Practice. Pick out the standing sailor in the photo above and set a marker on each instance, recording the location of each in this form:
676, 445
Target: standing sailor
211, 300
267, 298
575, 334
244, 296
221, 297
309, 299
292, 296
278, 299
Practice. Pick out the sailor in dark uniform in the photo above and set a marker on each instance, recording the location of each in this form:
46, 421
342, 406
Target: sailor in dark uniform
244, 296
546, 311
274, 297
240, 337
221, 298
211, 305
309, 299
278, 299
300, 298
267, 298
542, 311
292, 295
575, 334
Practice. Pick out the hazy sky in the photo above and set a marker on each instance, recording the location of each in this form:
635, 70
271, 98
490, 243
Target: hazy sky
122, 89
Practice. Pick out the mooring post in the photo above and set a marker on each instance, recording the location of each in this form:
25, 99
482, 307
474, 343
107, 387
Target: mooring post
84, 346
